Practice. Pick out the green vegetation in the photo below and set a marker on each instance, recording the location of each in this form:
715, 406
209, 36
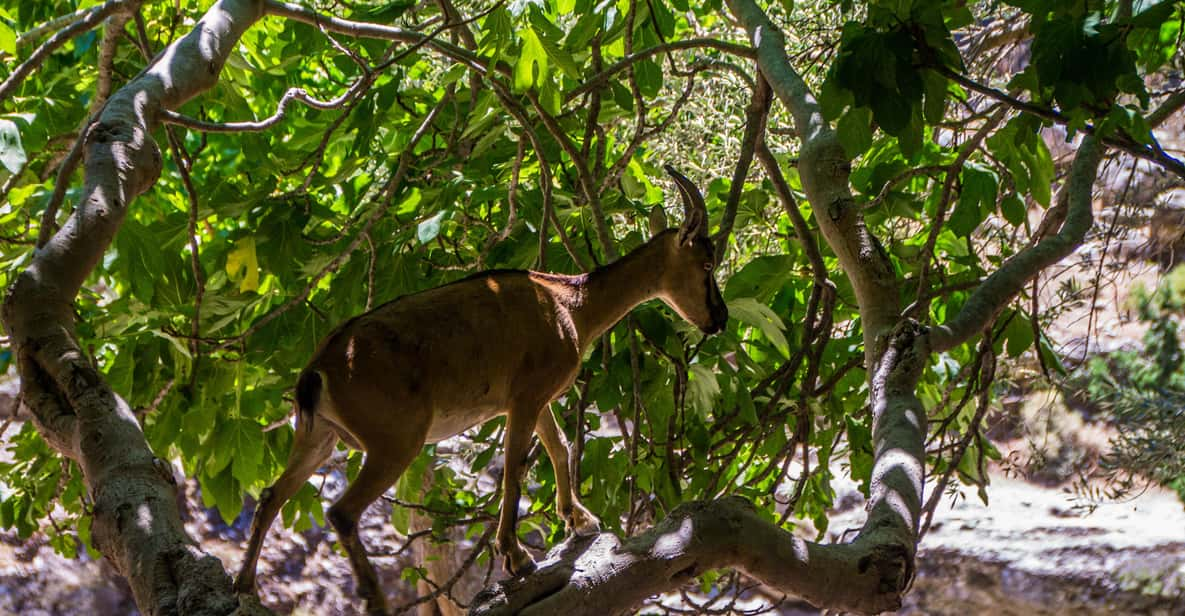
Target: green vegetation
1142, 392
324, 174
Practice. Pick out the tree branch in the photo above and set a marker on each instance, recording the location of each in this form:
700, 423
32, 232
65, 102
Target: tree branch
825, 171
1154, 154
377, 31
603, 574
998, 289
755, 117
630, 59
1166, 109
86, 22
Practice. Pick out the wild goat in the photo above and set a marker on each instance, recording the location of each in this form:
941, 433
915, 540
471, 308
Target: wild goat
428, 366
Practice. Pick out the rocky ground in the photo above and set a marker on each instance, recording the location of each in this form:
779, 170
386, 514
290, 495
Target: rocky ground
1036, 551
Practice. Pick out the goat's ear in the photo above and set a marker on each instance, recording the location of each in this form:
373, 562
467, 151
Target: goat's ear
695, 213
658, 220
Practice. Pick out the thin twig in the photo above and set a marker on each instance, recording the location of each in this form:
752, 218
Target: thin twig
755, 117
86, 22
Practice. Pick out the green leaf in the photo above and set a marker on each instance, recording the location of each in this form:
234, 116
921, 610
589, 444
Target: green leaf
935, 105
976, 201
427, 230
223, 492
891, 113
855, 131
1040, 164
748, 311
548, 36
7, 39
531, 66
389, 12
1019, 334
12, 155
834, 98
649, 77
760, 278
1013, 209
247, 445
702, 389
242, 265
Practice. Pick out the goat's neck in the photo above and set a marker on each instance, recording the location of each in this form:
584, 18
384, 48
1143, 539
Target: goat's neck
608, 293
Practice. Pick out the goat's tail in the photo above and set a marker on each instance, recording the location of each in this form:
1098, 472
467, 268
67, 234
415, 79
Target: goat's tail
308, 393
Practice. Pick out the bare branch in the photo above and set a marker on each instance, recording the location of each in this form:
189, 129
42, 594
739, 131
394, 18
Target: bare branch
111, 34
602, 77
755, 116
292, 94
790, 205
952, 172
377, 31
66, 169
1154, 153
1171, 105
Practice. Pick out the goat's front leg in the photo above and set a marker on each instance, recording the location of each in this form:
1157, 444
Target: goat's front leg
567, 488
519, 425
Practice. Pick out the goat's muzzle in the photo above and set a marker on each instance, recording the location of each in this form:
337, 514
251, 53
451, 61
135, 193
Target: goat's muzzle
719, 322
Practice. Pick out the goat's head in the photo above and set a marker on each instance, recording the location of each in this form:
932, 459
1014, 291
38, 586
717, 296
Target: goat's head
688, 285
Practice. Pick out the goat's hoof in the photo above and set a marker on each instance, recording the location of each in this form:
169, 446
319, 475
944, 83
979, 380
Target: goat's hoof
583, 523
520, 567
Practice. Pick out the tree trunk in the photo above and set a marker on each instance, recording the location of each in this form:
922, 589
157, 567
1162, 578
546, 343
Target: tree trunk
136, 523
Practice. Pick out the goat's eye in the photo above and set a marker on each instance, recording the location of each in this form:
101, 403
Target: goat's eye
709, 266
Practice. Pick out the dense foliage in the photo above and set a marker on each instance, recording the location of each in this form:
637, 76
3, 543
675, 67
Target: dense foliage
532, 135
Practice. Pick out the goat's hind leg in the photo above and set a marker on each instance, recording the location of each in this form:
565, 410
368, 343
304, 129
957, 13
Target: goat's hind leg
378, 473
520, 422
310, 448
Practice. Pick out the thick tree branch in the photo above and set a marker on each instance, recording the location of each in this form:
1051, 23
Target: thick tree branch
825, 171
136, 523
1171, 105
604, 575
998, 289
607, 575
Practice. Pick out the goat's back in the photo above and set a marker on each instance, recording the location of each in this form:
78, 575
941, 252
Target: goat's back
440, 361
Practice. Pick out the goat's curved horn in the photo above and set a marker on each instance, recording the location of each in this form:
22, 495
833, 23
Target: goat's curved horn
695, 212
